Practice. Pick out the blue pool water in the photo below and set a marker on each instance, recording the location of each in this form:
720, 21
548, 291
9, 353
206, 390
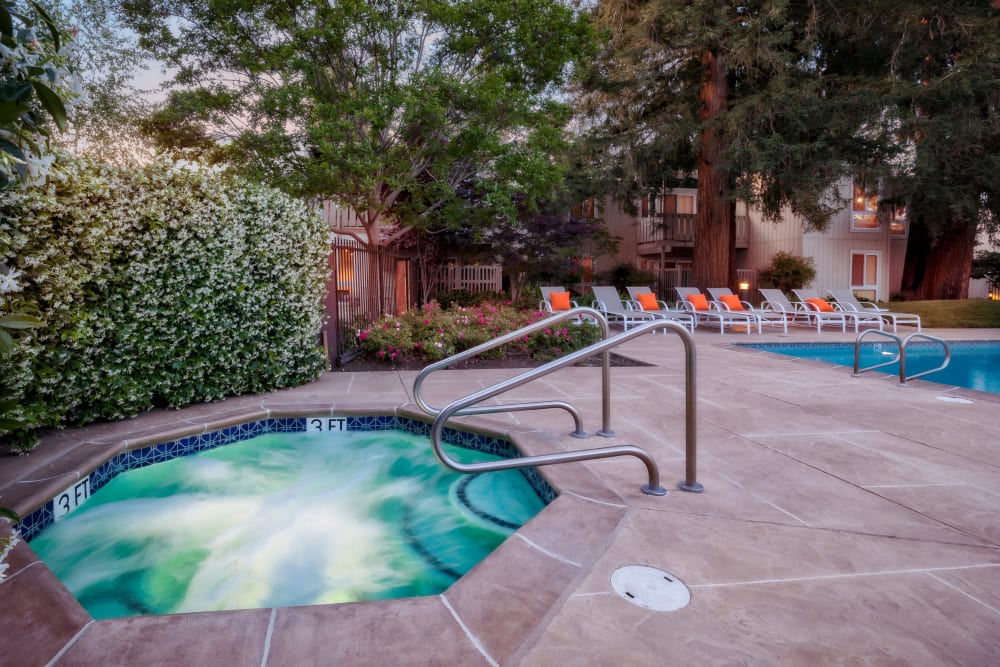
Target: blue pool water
284, 519
974, 364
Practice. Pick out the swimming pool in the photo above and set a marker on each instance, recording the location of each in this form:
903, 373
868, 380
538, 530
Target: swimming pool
974, 364
287, 519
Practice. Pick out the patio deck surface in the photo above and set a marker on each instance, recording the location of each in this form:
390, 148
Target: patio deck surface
844, 521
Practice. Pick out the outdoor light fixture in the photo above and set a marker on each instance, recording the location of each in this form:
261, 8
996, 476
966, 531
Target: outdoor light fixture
744, 286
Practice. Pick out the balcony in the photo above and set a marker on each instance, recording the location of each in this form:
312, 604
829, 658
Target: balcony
677, 229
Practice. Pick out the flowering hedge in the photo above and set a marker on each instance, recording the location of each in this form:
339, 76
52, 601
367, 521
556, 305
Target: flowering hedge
158, 285
431, 333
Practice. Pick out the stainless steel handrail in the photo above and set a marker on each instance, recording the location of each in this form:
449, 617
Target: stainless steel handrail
511, 337
902, 362
653, 487
857, 351
900, 354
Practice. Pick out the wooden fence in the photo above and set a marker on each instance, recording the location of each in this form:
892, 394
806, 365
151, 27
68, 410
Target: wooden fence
475, 278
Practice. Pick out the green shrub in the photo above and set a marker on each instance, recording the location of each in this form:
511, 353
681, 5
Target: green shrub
625, 275
158, 285
464, 298
431, 333
559, 341
787, 272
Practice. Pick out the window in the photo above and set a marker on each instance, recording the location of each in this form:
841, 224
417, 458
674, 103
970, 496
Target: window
864, 274
899, 225
864, 210
662, 205
683, 204
583, 210
345, 272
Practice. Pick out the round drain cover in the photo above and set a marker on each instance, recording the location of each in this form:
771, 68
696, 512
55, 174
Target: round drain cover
953, 399
650, 588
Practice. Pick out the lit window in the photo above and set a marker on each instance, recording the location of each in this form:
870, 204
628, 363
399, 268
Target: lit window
899, 225
864, 210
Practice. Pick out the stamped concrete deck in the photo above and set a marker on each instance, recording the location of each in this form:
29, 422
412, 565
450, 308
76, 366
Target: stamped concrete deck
844, 521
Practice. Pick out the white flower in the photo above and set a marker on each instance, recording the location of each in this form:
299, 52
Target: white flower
6, 544
8, 282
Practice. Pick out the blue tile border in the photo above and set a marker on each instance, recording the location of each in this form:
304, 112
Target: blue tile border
955, 344
33, 524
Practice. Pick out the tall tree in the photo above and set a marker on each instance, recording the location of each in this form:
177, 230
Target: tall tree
740, 93
945, 75
385, 106
106, 56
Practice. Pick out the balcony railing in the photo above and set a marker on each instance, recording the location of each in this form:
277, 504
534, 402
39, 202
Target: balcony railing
679, 228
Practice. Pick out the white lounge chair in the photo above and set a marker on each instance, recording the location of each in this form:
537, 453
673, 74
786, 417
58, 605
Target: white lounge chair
775, 299
709, 314
813, 300
610, 304
546, 302
848, 301
724, 298
643, 298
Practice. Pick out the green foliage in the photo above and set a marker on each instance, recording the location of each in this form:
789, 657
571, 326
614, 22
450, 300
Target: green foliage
987, 265
564, 338
465, 298
626, 274
676, 81
109, 66
36, 86
431, 333
158, 285
787, 272
386, 107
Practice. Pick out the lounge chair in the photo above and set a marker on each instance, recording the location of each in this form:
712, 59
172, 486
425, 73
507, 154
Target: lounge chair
610, 304
710, 314
563, 301
644, 300
848, 301
812, 300
775, 299
726, 300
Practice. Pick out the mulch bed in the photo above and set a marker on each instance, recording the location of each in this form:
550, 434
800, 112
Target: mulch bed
513, 362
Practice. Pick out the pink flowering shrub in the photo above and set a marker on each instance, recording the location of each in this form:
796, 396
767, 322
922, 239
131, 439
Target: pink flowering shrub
431, 333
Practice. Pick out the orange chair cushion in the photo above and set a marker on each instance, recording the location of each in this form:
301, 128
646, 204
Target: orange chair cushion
698, 301
732, 300
559, 300
823, 305
647, 301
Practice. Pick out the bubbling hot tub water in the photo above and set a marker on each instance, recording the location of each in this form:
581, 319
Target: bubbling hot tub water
284, 519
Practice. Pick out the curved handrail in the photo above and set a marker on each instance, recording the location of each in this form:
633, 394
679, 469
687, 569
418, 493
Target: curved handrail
902, 363
653, 487
540, 405
857, 352
900, 354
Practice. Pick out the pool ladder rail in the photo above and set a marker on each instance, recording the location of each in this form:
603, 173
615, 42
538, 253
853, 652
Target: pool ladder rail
467, 405
900, 354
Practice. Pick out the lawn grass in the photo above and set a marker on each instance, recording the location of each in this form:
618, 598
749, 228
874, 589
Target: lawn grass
952, 314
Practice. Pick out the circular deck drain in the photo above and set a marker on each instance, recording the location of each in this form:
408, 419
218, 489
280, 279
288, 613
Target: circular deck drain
650, 588
953, 399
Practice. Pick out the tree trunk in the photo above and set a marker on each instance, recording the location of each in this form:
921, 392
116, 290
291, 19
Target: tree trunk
949, 263
918, 247
714, 230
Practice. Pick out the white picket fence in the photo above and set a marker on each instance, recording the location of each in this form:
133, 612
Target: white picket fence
475, 278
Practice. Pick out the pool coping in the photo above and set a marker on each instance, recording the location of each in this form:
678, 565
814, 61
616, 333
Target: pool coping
950, 389
523, 579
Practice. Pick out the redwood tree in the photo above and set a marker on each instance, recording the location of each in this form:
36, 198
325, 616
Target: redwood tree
741, 94
945, 72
